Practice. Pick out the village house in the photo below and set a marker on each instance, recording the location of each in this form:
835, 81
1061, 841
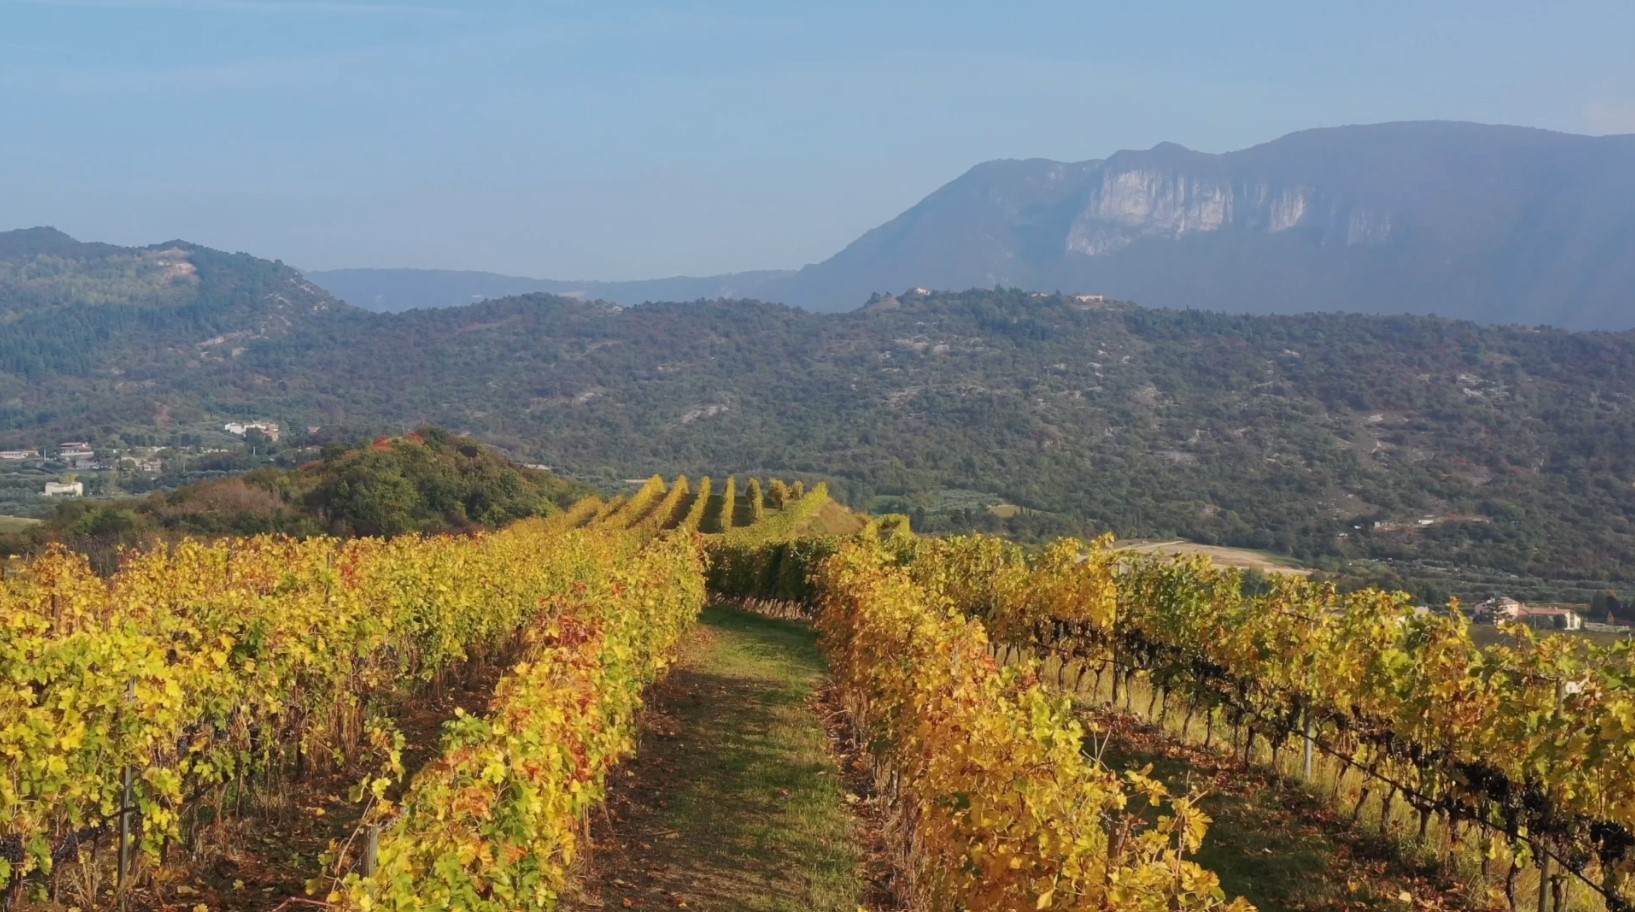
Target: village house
18, 455
140, 464
1498, 610
1558, 618
77, 455
270, 428
65, 489
1495, 610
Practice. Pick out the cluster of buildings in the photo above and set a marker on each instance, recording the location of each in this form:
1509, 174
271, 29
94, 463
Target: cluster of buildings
75, 455
1497, 610
80, 456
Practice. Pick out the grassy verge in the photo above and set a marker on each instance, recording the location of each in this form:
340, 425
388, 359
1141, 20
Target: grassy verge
734, 800
15, 524
1284, 845
1278, 846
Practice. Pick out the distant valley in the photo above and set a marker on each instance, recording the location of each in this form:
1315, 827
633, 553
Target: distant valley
1499, 225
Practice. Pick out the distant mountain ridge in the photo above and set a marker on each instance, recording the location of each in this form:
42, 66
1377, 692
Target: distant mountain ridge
43, 269
398, 290
1488, 223
1494, 224
69, 306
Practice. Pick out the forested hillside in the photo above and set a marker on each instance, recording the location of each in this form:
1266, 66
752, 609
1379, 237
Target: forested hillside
1313, 435
72, 308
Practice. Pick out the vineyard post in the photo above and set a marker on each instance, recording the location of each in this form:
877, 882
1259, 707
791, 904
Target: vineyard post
1543, 880
1116, 614
124, 832
125, 816
1544, 852
1305, 718
371, 851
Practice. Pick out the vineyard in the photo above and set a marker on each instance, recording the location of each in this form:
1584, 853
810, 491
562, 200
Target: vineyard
154, 719
1521, 756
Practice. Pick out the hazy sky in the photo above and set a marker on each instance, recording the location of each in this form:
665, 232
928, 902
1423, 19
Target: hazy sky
620, 140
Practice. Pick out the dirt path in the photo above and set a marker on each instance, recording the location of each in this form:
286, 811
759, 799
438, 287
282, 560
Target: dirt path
734, 800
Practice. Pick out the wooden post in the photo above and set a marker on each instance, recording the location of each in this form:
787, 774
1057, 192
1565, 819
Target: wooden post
1113, 667
371, 851
124, 830
1543, 853
125, 815
1114, 663
1305, 717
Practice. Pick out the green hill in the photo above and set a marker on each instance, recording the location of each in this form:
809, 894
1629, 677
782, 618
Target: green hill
429, 481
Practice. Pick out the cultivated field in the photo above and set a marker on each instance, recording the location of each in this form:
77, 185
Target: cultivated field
15, 523
1237, 558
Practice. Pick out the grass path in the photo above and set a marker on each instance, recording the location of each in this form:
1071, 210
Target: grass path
1272, 840
1276, 845
733, 801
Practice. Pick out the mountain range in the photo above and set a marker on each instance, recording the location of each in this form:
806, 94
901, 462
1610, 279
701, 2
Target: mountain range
1331, 437
1494, 224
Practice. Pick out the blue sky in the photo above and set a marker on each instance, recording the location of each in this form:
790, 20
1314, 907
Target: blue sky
618, 140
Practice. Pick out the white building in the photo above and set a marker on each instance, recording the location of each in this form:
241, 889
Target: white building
69, 489
270, 428
1499, 609
77, 455
1559, 618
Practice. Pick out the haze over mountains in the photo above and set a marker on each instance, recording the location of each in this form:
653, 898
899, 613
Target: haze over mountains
1488, 223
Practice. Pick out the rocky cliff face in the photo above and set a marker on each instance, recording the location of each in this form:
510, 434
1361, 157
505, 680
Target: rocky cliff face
1126, 205
1496, 224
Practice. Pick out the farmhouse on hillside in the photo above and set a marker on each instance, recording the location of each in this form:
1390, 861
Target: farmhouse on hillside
65, 489
1559, 618
1495, 610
